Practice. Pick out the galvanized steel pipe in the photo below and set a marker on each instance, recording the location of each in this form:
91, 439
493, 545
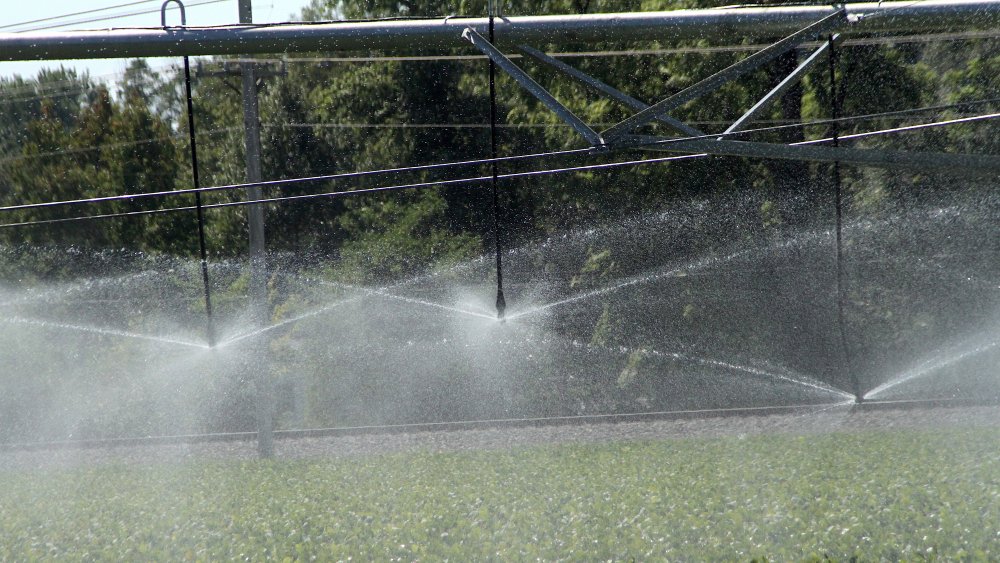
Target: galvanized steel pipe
436, 35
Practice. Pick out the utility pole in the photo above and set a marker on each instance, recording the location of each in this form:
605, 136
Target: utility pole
258, 362
258, 260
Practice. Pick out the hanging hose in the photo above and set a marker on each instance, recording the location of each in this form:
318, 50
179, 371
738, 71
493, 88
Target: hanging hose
210, 324
210, 328
835, 112
501, 302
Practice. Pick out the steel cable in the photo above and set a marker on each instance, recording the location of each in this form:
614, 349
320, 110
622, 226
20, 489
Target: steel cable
846, 119
351, 175
364, 191
81, 13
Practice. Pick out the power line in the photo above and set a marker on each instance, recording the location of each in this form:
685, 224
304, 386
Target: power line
71, 14
391, 188
37, 89
781, 126
33, 86
889, 10
352, 175
344, 193
119, 16
279, 183
82, 150
904, 129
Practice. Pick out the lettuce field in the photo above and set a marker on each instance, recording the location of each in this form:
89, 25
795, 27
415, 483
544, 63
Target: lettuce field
887, 494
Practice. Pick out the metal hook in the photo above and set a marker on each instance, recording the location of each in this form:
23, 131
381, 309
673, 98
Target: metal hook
163, 12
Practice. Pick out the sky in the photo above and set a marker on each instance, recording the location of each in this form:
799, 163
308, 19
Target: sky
214, 12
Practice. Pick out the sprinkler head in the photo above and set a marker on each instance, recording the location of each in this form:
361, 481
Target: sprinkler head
501, 305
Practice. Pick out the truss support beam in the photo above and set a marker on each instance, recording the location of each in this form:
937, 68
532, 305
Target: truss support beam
961, 164
438, 35
778, 91
605, 89
725, 75
531, 86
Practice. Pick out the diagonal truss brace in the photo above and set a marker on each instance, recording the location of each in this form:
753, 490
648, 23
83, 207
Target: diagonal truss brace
605, 89
699, 144
792, 79
531, 86
725, 75
963, 164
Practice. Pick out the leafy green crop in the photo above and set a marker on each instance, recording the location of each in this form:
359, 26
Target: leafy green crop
899, 495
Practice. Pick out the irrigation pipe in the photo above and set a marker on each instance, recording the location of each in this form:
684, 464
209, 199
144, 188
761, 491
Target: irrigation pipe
502, 423
495, 423
55, 86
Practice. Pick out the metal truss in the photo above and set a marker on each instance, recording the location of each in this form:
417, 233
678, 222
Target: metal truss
725, 75
798, 24
621, 135
646, 113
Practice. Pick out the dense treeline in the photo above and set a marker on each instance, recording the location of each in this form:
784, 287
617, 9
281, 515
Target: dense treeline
66, 136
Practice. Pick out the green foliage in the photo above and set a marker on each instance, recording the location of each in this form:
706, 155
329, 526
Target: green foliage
899, 495
108, 148
53, 156
400, 238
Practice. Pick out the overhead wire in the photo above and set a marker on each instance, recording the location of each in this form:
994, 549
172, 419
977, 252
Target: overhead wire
474, 162
311, 179
81, 13
904, 129
62, 88
423, 18
364, 191
118, 16
238, 25
493, 161
351, 193
120, 144
38, 89
781, 125
890, 9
